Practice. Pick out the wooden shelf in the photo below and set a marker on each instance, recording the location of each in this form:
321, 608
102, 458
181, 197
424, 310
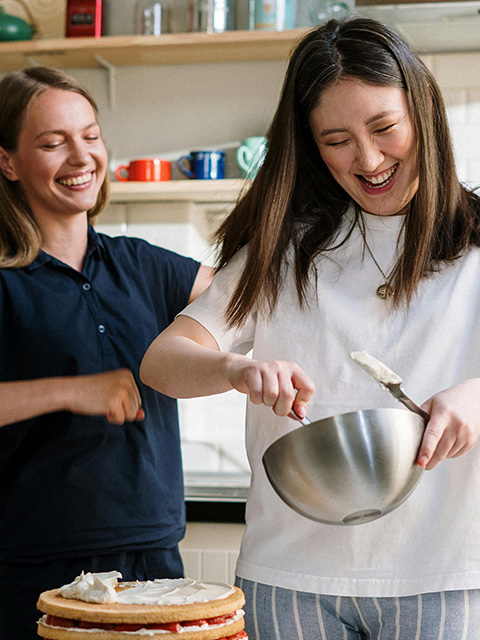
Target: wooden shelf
178, 48
176, 191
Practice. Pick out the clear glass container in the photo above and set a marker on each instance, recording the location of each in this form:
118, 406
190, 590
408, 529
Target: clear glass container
211, 16
324, 10
153, 18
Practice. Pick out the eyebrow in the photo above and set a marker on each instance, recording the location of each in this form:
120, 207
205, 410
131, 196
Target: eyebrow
374, 118
61, 132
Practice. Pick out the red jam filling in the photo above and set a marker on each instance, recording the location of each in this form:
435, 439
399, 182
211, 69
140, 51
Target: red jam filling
173, 627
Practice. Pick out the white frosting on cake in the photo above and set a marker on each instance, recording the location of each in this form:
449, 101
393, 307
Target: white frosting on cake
93, 587
100, 588
176, 591
379, 371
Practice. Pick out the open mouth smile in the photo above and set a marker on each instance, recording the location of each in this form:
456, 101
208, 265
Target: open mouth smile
379, 181
75, 181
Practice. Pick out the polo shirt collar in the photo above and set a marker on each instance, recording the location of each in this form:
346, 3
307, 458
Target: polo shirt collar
94, 244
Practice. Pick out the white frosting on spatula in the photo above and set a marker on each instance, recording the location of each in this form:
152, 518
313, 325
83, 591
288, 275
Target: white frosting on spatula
379, 371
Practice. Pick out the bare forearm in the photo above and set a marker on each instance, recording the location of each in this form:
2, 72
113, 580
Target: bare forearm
113, 394
181, 368
185, 362
26, 399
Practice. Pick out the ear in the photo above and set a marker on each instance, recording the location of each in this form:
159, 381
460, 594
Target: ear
6, 166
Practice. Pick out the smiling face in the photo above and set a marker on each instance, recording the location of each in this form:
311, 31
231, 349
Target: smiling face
366, 138
60, 159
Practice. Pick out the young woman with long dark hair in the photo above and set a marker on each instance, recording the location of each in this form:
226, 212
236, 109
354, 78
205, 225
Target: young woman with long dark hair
355, 235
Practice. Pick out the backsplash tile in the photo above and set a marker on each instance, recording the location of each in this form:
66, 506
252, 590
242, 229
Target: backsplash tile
192, 563
473, 107
215, 565
210, 550
456, 103
456, 70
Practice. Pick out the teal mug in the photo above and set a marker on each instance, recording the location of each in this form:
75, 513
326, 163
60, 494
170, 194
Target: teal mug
250, 155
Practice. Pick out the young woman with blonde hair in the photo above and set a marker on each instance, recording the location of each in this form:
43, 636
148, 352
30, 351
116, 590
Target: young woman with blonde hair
89, 457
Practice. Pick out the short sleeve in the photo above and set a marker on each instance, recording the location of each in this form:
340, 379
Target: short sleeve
209, 308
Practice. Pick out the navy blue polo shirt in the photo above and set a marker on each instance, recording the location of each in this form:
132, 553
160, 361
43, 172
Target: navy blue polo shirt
69, 483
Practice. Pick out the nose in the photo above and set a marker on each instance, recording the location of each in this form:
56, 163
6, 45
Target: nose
78, 155
368, 156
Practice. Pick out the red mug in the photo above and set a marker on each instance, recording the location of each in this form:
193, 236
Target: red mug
144, 170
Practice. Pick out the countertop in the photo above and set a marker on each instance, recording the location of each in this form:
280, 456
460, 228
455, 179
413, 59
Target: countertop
216, 486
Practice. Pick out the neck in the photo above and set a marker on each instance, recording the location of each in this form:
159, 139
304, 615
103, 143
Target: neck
66, 241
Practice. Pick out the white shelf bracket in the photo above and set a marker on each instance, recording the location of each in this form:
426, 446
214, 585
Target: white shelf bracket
111, 70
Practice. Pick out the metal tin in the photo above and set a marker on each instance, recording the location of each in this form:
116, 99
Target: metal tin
84, 18
211, 16
272, 15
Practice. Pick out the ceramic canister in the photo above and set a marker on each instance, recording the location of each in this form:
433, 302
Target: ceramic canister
273, 15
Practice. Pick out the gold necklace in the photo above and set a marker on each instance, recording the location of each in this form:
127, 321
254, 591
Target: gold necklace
385, 291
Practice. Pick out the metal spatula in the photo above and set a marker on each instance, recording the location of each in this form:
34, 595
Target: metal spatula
387, 379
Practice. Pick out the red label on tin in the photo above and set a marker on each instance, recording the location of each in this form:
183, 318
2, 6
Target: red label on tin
84, 18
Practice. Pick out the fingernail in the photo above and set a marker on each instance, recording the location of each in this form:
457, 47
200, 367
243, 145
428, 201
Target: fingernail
301, 411
422, 461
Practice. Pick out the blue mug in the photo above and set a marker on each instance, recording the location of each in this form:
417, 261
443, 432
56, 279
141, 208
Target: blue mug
204, 165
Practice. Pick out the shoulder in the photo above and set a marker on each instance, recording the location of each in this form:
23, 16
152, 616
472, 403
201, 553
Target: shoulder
233, 268
129, 248
237, 261
119, 244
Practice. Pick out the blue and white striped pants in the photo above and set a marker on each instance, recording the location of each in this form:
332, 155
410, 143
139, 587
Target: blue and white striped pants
272, 613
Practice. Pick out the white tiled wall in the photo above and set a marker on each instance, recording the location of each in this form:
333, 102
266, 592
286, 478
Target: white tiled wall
210, 551
459, 78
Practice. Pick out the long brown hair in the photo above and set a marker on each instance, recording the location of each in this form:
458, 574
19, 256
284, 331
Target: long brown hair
295, 201
20, 238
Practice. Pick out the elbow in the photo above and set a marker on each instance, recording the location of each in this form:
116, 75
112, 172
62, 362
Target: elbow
154, 372
155, 376
143, 373
146, 374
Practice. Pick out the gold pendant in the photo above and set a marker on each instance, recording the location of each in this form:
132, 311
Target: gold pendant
385, 291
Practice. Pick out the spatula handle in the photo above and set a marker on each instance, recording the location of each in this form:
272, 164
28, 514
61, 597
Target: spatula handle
410, 404
303, 421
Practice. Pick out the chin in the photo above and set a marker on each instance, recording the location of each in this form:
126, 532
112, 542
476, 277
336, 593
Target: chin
381, 207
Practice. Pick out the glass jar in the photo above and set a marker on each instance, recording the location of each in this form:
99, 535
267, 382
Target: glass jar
211, 16
324, 10
272, 15
153, 18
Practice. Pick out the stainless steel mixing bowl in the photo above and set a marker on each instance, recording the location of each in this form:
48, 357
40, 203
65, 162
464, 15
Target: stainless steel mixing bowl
348, 469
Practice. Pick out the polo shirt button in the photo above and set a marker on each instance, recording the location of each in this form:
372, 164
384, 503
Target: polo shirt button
101, 328
86, 286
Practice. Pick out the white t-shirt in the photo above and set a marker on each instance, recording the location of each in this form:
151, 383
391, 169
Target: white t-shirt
432, 541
